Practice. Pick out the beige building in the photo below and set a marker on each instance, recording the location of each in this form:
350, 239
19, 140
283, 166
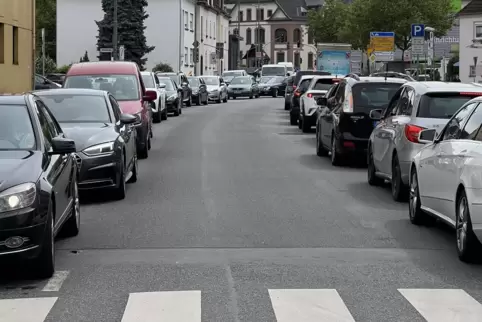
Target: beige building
17, 40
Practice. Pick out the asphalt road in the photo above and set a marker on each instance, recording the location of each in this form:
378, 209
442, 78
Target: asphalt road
234, 218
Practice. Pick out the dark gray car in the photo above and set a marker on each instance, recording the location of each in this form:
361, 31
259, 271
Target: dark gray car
243, 86
105, 139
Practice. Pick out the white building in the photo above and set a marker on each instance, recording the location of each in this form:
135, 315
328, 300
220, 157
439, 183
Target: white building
470, 20
165, 29
212, 31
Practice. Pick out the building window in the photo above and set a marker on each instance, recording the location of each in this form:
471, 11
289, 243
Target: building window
310, 37
240, 16
269, 14
248, 15
191, 22
185, 19
236, 31
280, 36
260, 34
310, 60
280, 57
260, 14
478, 30
202, 25
296, 36
297, 60
191, 56
2, 43
15, 45
472, 71
248, 36
186, 54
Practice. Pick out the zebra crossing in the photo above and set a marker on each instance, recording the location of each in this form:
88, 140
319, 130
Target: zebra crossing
307, 305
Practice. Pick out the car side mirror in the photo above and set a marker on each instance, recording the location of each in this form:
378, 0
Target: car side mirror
322, 101
161, 86
427, 136
150, 96
376, 114
127, 119
62, 145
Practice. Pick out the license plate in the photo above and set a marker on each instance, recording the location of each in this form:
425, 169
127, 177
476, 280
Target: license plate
238, 92
375, 123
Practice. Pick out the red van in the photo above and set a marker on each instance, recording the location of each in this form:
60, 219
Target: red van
124, 81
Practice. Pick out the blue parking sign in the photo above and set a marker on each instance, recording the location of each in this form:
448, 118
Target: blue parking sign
418, 30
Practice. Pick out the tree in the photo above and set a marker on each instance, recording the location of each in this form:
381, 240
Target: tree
325, 23
163, 68
45, 17
85, 58
131, 16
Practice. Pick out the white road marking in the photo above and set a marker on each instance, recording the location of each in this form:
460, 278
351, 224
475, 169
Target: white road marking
55, 282
182, 306
26, 310
309, 305
444, 305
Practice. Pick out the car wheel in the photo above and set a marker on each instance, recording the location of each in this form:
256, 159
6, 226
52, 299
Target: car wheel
287, 106
164, 114
320, 149
275, 93
251, 95
135, 172
156, 117
417, 215
373, 180
45, 262
300, 122
293, 120
189, 102
305, 127
225, 100
399, 191
335, 156
257, 95
120, 190
72, 225
144, 152
198, 101
468, 246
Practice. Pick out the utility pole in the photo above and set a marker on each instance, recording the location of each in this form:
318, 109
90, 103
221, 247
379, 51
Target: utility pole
238, 35
258, 45
43, 51
115, 39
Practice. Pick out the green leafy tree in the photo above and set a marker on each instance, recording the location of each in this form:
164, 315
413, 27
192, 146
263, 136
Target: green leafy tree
46, 18
131, 16
50, 66
163, 68
358, 25
325, 23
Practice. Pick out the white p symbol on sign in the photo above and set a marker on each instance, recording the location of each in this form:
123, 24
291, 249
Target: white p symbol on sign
418, 30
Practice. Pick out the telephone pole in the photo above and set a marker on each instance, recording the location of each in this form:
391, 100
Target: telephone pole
258, 32
115, 40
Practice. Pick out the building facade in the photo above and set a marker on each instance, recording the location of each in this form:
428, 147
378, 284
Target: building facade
470, 21
17, 45
168, 28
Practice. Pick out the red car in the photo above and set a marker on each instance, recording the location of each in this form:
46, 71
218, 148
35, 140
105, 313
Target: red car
124, 81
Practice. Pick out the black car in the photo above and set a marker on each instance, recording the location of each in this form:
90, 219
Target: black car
200, 93
104, 137
44, 83
181, 82
38, 186
56, 78
173, 96
272, 86
344, 125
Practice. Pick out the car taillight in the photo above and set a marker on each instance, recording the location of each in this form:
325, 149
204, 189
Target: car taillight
309, 95
412, 132
473, 94
348, 104
297, 93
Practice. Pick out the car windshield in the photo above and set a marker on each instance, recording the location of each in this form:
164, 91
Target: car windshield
241, 80
276, 80
367, 96
232, 74
193, 81
265, 79
16, 131
440, 105
168, 83
123, 87
77, 108
211, 80
148, 81
323, 84
274, 71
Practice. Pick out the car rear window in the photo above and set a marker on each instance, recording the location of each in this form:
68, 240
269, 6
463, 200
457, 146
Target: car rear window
442, 105
308, 72
324, 84
368, 96
304, 84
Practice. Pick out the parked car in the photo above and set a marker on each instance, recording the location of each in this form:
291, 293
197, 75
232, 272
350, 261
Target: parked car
199, 90
318, 87
217, 89
158, 106
243, 86
228, 75
56, 78
345, 126
290, 88
38, 191
124, 81
393, 74
181, 82
394, 141
44, 83
445, 179
272, 85
104, 137
173, 96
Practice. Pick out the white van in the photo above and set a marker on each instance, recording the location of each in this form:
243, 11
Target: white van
289, 67
274, 70
228, 75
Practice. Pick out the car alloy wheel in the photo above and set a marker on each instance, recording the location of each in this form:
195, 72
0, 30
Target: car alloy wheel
76, 205
413, 201
462, 224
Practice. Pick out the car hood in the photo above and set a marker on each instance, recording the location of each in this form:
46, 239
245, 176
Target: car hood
240, 86
17, 167
170, 93
212, 87
130, 107
195, 88
89, 134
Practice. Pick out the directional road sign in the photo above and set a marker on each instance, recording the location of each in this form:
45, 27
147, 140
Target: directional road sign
418, 47
106, 50
418, 30
382, 41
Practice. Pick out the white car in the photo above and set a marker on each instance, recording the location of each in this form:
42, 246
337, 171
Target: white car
446, 178
151, 82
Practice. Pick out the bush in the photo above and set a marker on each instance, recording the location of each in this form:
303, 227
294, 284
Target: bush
163, 68
50, 66
63, 69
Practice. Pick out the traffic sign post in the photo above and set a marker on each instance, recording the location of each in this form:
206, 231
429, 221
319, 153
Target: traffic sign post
122, 51
382, 45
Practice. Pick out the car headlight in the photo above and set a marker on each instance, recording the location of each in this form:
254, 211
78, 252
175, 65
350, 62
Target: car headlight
104, 148
214, 91
172, 97
18, 197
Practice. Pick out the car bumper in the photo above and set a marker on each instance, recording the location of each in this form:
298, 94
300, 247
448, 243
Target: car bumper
240, 93
172, 106
347, 144
310, 119
98, 172
214, 96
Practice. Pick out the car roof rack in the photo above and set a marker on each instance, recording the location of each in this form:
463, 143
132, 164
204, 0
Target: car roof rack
353, 75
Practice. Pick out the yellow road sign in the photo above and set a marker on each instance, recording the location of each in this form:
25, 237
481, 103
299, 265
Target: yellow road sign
373, 58
382, 43
370, 50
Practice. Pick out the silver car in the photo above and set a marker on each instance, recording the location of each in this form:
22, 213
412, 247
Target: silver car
217, 89
394, 142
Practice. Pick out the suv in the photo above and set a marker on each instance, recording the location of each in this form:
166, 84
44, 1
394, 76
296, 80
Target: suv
395, 140
344, 126
182, 82
289, 91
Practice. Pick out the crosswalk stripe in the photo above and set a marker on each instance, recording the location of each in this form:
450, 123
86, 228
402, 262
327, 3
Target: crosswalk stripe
26, 310
182, 306
444, 305
309, 305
